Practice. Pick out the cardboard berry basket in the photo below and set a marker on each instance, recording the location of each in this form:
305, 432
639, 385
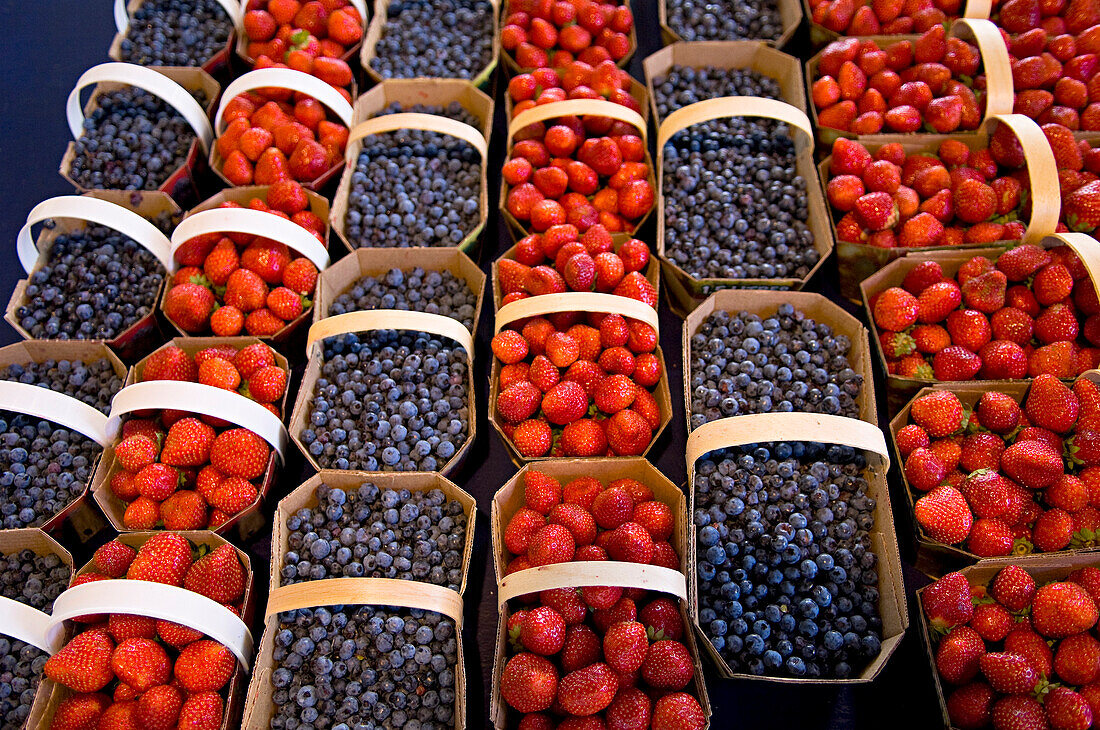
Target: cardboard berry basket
318, 204
20, 621
296, 82
687, 292
435, 92
214, 219
765, 304
512, 66
367, 321
167, 602
242, 39
580, 108
123, 10
753, 55
69, 213
199, 399
583, 302
476, 137
637, 91
510, 498
769, 427
999, 95
790, 12
168, 83
900, 389
859, 261
345, 273
378, 24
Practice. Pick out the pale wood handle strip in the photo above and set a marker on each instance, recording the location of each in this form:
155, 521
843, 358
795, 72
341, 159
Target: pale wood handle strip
1086, 247
416, 120
365, 592
1042, 173
591, 573
978, 9
999, 94
576, 107
576, 301
253, 223
733, 106
391, 319
29, 625
285, 78
62, 409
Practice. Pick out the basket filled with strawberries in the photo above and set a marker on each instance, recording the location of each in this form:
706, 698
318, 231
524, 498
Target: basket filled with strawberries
590, 558
831, 20
898, 198
841, 600
150, 32
1012, 643
276, 124
152, 633
552, 35
577, 80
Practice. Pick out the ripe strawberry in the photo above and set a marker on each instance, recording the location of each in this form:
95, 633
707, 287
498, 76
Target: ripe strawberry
1019, 712
217, 575
583, 437
667, 665
628, 433
1062, 609
532, 438
189, 306
625, 646
509, 346
924, 469
268, 384
521, 528
240, 452
204, 666
989, 537
1009, 673
1051, 404
958, 654
551, 544
159, 708
189, 440
1014, 588
164, 558
939, 413
184, 510
140, 664
83, 664
529, 683
1067, 710
141, 514
201, 711
564, 403
542, 631
969, 706
992, 621
1053, 530
955, 363
1033, 464
113, 558
944, 515
541, 491
678, 711
1077, 660
233, 495
80, 711
587, 691
938, 300
986, 292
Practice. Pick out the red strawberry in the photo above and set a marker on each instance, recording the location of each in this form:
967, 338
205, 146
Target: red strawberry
1019, 712
981, 450
114, 558
83, 664
958, 654
188, 442
629, 433
625, 646
678, 711
1033, 464
551, 544
986, 292
1062, 609
969, 706
1067, 710
564, 403
939, 413
217, 575
1009, 673
164, 558
201, 711
80, 711
239, 452
587, 691
1051, 404
1023, 640
955, 363
159, 708
170, 363
944, 515
989, 537
542, 631
204, 666
924, 469
922, 276
1077, 660
992, 621
1014, 588
529, 683
140, 664
662, 620
947, 602
667, 665
189, 306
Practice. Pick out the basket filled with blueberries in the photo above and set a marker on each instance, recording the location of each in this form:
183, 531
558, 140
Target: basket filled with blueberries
770, 21
175, 33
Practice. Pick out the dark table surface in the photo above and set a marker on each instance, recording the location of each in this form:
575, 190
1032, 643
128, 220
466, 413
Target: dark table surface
49, 44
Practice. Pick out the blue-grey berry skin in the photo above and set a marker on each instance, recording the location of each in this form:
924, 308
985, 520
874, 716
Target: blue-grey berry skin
360, 416
743, 363
788, 580
726, 20
684, 85
133, 140
735, 205
34, 580
94, 383
412, 187
444, 39
176, 33
418, 290
94, 285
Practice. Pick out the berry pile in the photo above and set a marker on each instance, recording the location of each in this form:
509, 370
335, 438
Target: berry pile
448, 39
998, 647
389, 401
95, 383
126, 670
553, 370
34, 580
554, 34
365, 666
997, 481
231, 282
882, 17
413, 187
453, 110
1078, 177
579, 171
176, 33
278, 135
132, 140
959, 195
1034, 311
310, 37
377, 533
930, 83
561, 260
743, 363
43, 468
728, 20
735, 205
1054, 76
251, 371
788, 581
578, 80
683, 86
417, 290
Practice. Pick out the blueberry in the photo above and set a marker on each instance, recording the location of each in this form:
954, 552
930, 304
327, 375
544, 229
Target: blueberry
176, 33
94, 383
449, 39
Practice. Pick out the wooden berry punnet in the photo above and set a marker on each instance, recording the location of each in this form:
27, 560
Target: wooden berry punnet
27, 624
900, 389
242, 37
584, 302
687, 292
790, 11
476, 137
637, 91
858, 262
123, 10
169, 83
513, 588
318, 204
512, 66
380, 319
162, 601
259, 708
765, 304
769, 427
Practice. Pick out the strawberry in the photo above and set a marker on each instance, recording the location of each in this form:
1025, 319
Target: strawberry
955, 363
998, 412
1077, 659
989, 537
233, 495
625, 646
1009, 673
1067, 710
300, 276
532, 438
944, 515
848, 157
80, 711
113, 558
896, 310
1018, 712
551, 544
204, 666
184, 510
164, 558
938, 300
201, 711
1013, 587
239, 452
939, 413
678, 711
667, 665
541, 492
159, 708
924, 469
564, 403
587, 691
1062, 609
529, 683
217, 575
1051, 404
1033, 464
628, 433
83, 664
958, 654
542, 631
267, 384
136, 452
992, 621
583, 437
631, 708
189, 440
509, 346
189, 306
969, 706
140, 663
986, 292
876, 211
519, 401
170, 363
1081, 209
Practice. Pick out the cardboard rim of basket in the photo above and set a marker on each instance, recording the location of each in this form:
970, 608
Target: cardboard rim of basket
365, 321
180, 183
476, 137
377, 27
790, 12
765, 304
580, 108
211, 65
512, 66
868, 438
200, 538
635, 88
686, 291
577, 302
1047, 567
